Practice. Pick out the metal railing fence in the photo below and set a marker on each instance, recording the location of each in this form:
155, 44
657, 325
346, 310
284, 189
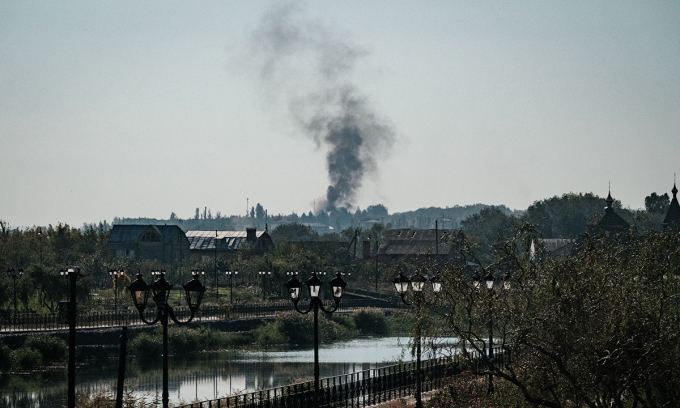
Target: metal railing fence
359, 389
26, 322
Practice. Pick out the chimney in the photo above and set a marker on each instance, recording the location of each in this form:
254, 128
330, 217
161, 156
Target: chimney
366, 250
251, 235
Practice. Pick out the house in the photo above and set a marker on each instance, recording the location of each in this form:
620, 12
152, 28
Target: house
164, 243
211, 243
433, 243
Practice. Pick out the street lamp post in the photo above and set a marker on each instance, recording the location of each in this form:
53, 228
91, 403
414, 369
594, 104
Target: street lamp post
39, 232
314, 285
114, 279
217, 287
71, 274
263, 276
488, 283
401, 284
13, 275
160, 291
231, 286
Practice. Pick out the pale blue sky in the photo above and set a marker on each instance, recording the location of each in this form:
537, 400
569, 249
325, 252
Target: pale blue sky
115, 108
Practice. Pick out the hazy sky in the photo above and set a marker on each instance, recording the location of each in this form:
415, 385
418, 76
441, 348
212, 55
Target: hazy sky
142, 108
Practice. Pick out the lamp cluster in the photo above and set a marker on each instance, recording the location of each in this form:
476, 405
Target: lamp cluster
160, 290
74, 270
489, 281
417, 282
314, 285
12, 273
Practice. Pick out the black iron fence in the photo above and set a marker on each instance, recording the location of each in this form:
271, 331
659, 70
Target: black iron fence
23, 322
360, 389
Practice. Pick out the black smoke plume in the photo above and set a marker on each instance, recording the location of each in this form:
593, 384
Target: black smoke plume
309, 68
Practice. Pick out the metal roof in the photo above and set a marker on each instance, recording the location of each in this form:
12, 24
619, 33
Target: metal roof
555, 244
224, 240
128, 234
416, 241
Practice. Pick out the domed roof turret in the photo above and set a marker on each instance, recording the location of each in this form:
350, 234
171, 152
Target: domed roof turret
673, 214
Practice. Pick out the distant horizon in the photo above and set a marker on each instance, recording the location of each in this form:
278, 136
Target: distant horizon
167, 218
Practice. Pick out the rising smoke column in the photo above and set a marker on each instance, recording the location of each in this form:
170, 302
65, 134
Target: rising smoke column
309, 68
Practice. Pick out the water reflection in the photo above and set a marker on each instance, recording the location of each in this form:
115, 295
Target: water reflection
206, 375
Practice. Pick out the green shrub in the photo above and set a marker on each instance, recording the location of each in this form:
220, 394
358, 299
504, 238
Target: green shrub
51, 349
147, 346
294, 328
346, 322
400, 323
5, 357
371, 322
26, 359
269, 334
183, 340
216, 340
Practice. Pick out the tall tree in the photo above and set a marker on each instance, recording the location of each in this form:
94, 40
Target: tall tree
259, 212
596, 329
657, 204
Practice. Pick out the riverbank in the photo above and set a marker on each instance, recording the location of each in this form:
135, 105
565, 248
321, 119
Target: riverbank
207, 375
145, 342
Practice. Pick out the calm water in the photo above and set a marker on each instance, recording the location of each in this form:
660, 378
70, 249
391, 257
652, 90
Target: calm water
206, 375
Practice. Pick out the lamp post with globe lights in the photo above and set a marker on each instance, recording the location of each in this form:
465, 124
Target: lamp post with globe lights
489, 281
14, 274
232, 275
114, 279
314, 285
72, 275
160, 292
417, 283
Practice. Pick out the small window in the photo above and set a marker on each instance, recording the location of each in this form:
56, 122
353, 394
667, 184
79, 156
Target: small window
150, 237
125, 253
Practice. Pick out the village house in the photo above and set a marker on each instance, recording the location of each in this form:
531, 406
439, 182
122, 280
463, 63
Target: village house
164, 243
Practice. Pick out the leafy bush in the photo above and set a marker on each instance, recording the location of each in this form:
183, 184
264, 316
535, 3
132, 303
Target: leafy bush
147, 346
294, 328
269, 334
52, 349
182, 340
5, 357
371, 322
400, 323
26, 359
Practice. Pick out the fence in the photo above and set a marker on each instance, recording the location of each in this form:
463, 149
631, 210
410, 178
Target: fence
22, 322
360, 389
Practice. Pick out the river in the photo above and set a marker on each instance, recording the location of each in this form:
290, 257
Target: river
204, 376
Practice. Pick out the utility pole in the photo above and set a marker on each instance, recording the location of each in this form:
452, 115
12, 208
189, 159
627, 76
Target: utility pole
376, 261
217, 288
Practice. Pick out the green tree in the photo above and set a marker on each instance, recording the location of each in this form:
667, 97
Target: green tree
567, 216
259, 211
293, 232
657, 204
597, 329
486, 228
